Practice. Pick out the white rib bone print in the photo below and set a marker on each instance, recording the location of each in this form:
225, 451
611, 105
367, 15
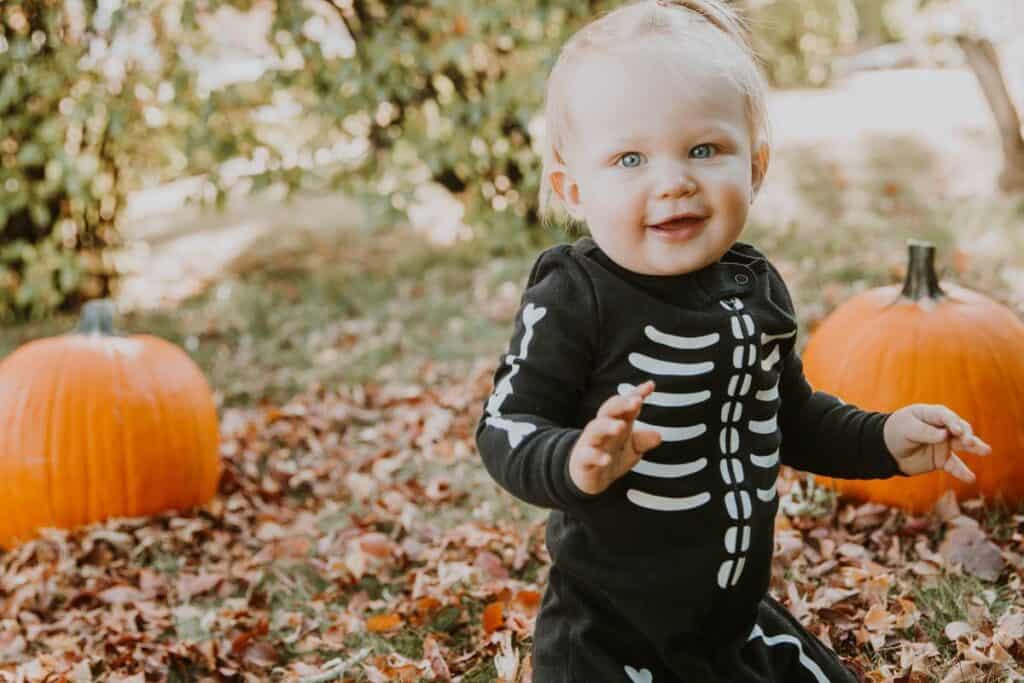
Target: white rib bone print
771, 394
657, 366
744, 355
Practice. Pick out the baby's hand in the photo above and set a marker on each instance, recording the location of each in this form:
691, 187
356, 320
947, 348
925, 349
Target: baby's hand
608, 446
922, 437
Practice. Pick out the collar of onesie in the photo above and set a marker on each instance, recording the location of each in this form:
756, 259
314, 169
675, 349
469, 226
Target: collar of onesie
737, 273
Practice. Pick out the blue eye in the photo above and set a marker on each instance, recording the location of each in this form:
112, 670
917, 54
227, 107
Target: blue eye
704, 145
629, 155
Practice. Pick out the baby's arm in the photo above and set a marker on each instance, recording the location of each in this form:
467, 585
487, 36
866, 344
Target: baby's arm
821, 433
530, 423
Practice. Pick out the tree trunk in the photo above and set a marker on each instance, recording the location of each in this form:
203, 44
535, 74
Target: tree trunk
984, 61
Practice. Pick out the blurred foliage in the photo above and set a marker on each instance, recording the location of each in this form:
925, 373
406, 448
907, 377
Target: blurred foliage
60, 117
797, 39
102, 98
883, 21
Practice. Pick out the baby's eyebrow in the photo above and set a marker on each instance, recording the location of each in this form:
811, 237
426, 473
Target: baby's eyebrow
696, 131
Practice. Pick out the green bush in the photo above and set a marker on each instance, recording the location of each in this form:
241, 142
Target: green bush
442, 91
59, 189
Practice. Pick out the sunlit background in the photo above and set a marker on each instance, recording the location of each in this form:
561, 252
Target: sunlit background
331, 207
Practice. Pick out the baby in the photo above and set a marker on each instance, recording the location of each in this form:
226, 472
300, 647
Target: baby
652, 386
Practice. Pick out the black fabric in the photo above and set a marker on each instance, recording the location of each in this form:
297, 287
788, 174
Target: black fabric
579, 640
678, 552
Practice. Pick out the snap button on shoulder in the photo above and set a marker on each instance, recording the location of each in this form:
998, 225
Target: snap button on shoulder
741, 278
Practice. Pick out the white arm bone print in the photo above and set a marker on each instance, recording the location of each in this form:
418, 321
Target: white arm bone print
516, 430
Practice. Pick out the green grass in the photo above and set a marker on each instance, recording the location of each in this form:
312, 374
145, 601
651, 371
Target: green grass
386, 306
946, 601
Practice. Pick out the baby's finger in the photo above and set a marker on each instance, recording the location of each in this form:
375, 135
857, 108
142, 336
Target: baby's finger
972, 444
958, 469
592, 459
645, 439
604, 431
920, 431
939, 416
642, 390
625, 407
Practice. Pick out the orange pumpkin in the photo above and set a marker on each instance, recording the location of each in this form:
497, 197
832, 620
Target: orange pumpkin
887, 348
96, 425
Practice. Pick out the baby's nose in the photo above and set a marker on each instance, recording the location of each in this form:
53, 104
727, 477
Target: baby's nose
676, 184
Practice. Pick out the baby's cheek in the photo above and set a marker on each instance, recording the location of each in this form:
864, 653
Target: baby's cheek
735, 194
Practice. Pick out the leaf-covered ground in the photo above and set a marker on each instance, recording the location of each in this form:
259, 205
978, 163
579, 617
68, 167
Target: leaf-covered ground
356, 536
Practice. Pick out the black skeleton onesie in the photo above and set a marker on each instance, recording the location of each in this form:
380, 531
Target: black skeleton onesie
664, 576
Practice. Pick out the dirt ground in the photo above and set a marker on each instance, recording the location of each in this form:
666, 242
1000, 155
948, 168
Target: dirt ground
176, 249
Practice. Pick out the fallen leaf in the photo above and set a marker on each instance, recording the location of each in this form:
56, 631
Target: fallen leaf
190, 586
878, 619
491, 565
433, 654
1010, 627
946, 507
955, 629
967, 544
383, 622
506, 662
962, 671
493, 617
119, 595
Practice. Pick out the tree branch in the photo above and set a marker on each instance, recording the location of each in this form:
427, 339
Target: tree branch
984, 62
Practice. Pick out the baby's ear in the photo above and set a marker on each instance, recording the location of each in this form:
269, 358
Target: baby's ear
567, 190
759, 165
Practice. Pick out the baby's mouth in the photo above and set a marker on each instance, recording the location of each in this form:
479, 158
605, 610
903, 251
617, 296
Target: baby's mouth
680, 224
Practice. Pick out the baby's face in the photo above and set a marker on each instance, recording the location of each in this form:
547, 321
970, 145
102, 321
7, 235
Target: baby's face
646, 146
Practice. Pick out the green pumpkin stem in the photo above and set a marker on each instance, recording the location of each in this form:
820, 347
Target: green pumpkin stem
921, 281
97, 318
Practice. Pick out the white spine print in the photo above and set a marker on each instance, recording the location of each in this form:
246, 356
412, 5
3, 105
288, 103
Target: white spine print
744, 356
805, 661
516, 431
657, 366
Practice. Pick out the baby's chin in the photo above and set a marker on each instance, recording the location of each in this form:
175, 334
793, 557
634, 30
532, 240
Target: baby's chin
675, 260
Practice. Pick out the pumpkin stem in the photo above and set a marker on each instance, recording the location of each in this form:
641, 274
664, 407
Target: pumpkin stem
97, 317
921, 281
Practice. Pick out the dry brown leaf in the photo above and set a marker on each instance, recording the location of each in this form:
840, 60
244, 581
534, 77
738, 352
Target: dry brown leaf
961, 672
1010, 627
946, 507
878, 619
955, 629
383, 622
119, 595
967, 544
190, 585
915, 655
433, 653
493, 617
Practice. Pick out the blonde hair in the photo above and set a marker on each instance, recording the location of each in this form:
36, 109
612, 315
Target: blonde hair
705, 20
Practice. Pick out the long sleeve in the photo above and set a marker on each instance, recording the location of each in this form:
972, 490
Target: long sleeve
528, 426
821, 433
